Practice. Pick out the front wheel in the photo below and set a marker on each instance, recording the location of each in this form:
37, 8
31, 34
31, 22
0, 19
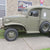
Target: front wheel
11, 34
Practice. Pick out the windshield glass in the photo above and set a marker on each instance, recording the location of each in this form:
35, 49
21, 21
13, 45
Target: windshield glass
24, 12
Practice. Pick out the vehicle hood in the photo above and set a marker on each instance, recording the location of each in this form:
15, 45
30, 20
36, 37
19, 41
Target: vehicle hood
14, 19
15, 16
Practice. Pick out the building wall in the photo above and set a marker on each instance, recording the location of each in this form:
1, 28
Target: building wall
47, 2
12, 6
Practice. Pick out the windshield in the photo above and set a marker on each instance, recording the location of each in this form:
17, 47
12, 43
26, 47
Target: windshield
24, 12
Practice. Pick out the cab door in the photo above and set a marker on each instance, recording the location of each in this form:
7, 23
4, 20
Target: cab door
33, 21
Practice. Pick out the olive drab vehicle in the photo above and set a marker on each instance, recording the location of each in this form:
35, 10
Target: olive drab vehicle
35, 19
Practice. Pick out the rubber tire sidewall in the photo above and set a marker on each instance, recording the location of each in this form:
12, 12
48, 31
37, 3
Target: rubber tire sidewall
41, 26
10, 29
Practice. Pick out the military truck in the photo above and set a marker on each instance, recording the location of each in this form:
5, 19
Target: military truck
35, 19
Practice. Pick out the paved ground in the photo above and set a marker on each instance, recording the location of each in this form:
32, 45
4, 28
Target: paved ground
29, 43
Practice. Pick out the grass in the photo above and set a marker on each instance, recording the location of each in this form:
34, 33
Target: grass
1, 33
46, 49
20, 34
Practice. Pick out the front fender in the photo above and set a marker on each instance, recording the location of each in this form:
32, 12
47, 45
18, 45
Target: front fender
14, 24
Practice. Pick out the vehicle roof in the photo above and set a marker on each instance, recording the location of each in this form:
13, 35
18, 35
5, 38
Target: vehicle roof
38, 6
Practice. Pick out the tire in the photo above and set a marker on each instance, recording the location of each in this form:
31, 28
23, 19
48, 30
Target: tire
11, 34
44, 27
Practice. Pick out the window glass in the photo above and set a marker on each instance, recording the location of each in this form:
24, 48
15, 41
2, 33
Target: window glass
2, 8
24, 11
34, 13
2, 1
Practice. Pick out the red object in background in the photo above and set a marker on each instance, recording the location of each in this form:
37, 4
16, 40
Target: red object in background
21, 6
41, 1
